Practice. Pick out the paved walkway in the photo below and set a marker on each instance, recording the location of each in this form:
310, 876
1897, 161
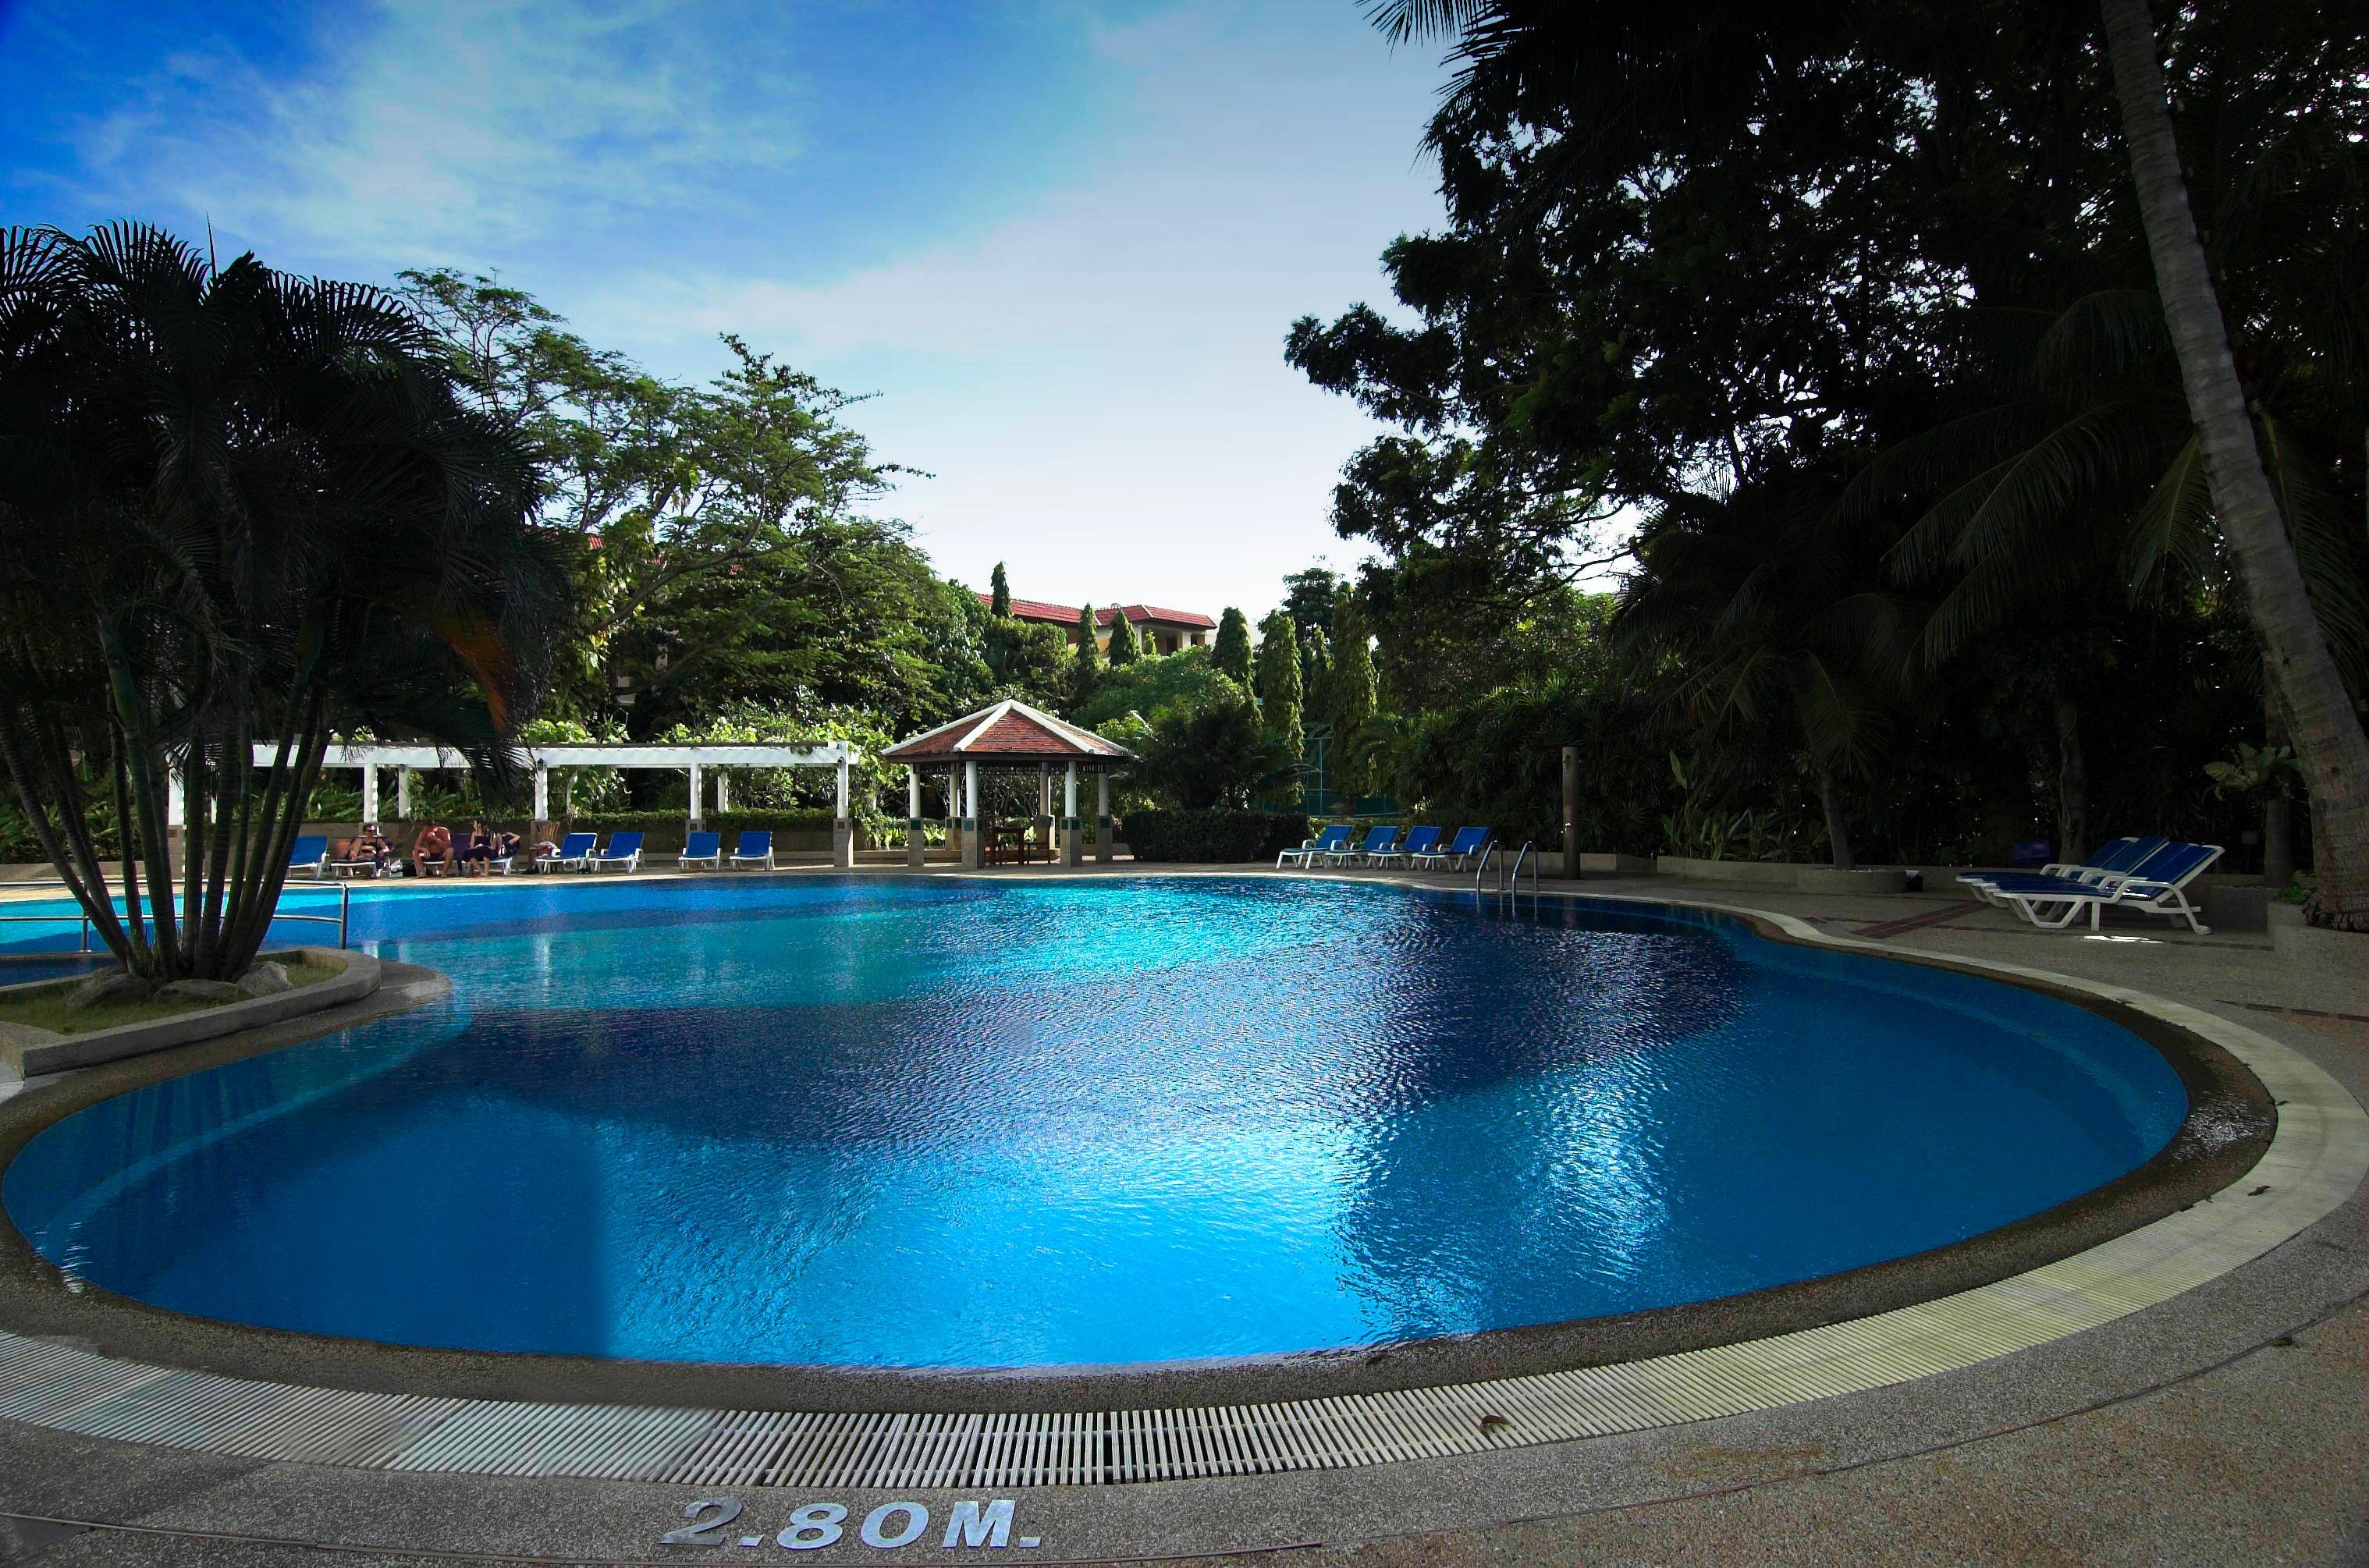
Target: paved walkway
2226, 1425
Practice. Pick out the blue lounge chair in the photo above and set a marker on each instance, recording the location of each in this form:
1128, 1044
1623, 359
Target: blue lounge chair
1377, 842
701, 849
2120, 860
575, 850
1396, 854
1332, 841
1422, 846
2158, 888
310, 852
1468, 843
756, 848
624, 849
2117, 858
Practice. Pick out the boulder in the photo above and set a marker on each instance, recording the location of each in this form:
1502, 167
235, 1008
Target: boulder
108, 987
207, 992
266, 979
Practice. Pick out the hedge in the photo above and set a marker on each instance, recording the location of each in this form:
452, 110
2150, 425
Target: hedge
1212, 837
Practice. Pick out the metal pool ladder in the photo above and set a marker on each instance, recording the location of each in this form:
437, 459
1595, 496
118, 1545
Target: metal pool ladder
1520, 860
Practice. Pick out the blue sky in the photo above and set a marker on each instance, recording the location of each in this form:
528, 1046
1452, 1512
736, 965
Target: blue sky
1062, 240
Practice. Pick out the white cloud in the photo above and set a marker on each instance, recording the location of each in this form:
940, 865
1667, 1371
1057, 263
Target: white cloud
459, 131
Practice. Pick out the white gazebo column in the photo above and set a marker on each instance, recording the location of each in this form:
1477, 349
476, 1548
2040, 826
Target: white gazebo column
954, 809
1043, 826
694, 792
842, 828
723, 792
1073, 851
542, 794
1102, 851
970, 816
912, 816
369, 789
403, 793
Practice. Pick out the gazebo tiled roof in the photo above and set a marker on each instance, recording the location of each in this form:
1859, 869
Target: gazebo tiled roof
1010, 731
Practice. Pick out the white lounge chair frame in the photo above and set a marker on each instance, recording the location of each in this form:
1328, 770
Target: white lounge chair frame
2147, 895
600, 861
740, 862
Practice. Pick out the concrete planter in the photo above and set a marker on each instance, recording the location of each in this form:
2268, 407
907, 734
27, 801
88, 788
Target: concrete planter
2234, 906
1874, 880
67, 1052
1765, 874
1615, 865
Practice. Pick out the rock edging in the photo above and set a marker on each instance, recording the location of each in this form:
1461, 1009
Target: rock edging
67, 1052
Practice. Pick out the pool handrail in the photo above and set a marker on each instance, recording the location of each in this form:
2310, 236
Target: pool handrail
342, 920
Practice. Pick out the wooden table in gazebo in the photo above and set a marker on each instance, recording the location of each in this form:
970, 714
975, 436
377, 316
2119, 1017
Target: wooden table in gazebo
1012, 736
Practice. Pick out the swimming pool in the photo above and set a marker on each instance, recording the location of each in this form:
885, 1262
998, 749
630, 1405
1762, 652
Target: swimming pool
934, 1122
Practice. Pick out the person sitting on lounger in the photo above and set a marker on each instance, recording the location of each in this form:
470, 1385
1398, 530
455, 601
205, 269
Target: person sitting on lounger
506, 845
371, 845
477, 850
433, 847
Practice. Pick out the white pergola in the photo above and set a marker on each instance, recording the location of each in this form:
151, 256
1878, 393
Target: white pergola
719, 758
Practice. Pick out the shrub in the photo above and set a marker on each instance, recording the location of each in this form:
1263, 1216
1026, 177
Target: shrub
1210, 837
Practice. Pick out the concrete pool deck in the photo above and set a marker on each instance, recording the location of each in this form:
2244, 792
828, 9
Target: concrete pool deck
2185, 1430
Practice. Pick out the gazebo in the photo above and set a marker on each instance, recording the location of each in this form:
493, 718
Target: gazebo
1008, 735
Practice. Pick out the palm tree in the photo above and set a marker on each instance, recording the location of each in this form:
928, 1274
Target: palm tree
237, 508
2330, 745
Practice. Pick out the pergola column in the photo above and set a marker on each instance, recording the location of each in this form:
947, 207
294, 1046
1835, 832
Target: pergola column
1072, 850
970, 816
1103, 849
403, 793
912, 816
694, 792
542, 794
370, 788
842, 828
723, 792
1043, 823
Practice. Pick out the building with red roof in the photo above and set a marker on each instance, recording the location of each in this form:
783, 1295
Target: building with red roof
1159, 630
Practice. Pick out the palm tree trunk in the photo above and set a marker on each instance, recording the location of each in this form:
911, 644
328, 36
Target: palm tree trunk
1838, 831
2330, 745
2071, 782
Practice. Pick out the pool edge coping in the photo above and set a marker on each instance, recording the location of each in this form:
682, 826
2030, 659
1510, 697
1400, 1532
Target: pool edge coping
2314, 1158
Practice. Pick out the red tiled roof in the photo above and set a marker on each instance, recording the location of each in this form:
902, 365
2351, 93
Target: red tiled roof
1067, 615
1008, 729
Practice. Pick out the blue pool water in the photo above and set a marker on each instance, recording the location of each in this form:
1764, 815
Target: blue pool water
933, 1123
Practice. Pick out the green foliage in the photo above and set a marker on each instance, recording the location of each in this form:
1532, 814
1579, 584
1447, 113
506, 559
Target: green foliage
1000, 593
1212, 836
875, 789
1188, 678
1278, 674
1309, 596
1027, 659
2256, 772
1349, 698
1085, 663
1202, 753
1231, 655
1124, 648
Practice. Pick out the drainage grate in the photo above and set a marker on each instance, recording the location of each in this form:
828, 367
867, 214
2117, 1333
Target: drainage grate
2314, 1161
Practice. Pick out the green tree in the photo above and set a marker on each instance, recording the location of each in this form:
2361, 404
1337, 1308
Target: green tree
239, 507
666, 493
1308, 598
999, 591
1123, 648
1085, 663
1349, 695
1232, 653
1204, 755
1278, 674
1187, 678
